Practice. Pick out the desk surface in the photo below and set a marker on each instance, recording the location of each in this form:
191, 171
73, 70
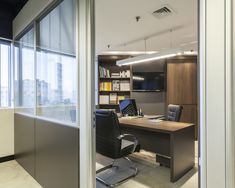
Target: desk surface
146, 124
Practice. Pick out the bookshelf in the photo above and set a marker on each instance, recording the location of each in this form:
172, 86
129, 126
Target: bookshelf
115, 82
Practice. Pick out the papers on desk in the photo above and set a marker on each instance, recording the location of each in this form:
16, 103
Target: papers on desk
155, 120
153, 116
131, 117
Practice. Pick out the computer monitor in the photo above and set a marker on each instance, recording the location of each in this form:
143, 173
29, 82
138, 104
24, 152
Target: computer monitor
128, 107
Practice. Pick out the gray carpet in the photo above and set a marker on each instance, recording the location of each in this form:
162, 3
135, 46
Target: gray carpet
150, 175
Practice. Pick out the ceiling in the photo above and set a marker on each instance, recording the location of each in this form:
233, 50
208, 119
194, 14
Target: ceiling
8, 11
14, 6
118, 30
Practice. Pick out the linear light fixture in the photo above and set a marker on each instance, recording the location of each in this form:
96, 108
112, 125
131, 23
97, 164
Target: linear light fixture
128, 52
149, 57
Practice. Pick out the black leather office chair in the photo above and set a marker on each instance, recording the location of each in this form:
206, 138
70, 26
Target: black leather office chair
174, 112
111, 143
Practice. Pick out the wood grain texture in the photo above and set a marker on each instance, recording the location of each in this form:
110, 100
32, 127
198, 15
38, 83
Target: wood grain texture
146, 124
182, 87
183, 153
173, 142
181, 82
190, 115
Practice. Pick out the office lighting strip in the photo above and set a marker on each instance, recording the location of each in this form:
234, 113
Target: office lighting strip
150, 57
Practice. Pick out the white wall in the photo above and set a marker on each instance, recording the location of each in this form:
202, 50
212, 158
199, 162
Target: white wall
6, 132
31, 10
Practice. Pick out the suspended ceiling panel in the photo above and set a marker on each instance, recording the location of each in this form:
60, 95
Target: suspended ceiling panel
117, 27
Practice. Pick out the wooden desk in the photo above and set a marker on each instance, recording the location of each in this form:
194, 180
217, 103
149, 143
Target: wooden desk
173, 142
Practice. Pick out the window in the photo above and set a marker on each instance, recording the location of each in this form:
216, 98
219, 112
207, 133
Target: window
57, 29
5, 72
24, 76
46, 72
56, 64
56, 86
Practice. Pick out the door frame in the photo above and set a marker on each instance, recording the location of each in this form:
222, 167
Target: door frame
215, 64
86, 95
216, 155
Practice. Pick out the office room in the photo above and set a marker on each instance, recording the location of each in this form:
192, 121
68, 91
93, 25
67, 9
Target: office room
146, 93
117, 93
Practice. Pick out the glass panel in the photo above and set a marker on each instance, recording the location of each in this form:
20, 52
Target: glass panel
25, 81
56, 86
16, 76
57, 29
56, 65
5, 73
67, 26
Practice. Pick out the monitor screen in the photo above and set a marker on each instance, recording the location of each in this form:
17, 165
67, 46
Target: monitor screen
148, 81
128, 107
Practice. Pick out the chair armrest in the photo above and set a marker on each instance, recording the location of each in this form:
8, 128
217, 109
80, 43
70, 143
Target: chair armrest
121, 137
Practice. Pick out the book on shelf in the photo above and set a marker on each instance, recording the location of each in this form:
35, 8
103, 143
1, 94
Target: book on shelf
120, 98
104, 99
125, 74
113, 98
104, 73
105, 86
116, 85
115, 75
109, 109
124, 86
128, 74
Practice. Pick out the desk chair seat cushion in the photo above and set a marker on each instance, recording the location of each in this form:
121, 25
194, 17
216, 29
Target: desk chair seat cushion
127, 147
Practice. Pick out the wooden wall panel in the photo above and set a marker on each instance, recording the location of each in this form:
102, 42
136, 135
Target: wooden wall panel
181, 82
189, 114
182, 87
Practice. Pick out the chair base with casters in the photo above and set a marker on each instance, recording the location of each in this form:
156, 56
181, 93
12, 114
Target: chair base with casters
133, 171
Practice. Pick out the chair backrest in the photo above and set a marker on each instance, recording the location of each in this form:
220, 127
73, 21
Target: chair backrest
107, 131
174, 112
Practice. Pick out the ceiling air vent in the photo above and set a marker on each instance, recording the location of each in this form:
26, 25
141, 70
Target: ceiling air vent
162, 12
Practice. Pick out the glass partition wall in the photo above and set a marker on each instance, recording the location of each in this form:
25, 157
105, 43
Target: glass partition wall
46, 66
6, 90
24, 74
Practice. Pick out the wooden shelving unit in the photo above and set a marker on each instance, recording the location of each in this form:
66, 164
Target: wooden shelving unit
107, 67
